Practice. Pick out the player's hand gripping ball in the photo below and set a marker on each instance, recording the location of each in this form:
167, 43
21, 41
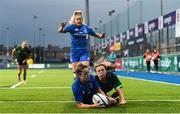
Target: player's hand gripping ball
101, 99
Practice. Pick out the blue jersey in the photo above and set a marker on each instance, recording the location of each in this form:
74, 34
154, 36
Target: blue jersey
79, 39
83, 92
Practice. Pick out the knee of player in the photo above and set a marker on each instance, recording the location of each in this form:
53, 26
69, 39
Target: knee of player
19, 71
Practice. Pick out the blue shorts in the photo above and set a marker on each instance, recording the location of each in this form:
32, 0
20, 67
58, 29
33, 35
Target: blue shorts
79, 55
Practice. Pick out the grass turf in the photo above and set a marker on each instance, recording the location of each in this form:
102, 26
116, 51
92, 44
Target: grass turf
50, 92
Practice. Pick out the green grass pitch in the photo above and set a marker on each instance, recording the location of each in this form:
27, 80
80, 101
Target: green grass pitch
49, 91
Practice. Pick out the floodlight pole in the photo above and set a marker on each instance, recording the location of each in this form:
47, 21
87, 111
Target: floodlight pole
7, 41
110, 14
35, 17
87, 20
161, 30
87, 12
128, 25
128, 16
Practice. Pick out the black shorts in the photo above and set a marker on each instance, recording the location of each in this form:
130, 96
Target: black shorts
21, 63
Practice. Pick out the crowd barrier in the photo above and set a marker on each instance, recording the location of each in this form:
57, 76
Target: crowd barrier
167, 63
34, 66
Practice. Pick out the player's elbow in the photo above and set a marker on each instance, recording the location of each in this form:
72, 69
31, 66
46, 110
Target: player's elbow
97, 35
61, 30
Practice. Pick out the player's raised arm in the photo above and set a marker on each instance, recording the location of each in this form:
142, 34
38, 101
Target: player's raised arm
61, 27
100, 35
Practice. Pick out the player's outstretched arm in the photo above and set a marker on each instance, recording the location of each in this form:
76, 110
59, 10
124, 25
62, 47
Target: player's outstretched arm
100, 35
61, 27
121, 96
82, 105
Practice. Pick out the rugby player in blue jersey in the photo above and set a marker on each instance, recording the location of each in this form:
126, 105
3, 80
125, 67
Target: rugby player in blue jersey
79, 38
85, 86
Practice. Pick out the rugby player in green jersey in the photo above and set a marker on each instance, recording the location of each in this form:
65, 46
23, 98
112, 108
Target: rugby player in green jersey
22, 53
107, 81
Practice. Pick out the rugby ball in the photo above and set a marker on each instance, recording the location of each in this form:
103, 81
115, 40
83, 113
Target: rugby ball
100, 99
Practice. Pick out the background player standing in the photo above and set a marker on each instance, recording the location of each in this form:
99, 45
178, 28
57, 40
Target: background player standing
22, 53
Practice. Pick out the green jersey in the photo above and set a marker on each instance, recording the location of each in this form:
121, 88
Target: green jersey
112, 57
111, 82
22, 54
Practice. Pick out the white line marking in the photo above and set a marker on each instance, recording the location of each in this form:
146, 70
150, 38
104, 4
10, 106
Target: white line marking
41, 71
173, 100
14, 86
37, 101
149, 80
33, 76
165, 100
65, 87
38, 72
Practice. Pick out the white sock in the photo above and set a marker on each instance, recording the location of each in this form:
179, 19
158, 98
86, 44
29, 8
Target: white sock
74, 76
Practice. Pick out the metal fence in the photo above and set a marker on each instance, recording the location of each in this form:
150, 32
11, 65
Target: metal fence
141, 12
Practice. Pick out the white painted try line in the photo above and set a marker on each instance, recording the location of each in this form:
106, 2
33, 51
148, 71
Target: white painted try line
63, 87
14, 86
16, 101
38, 72
41, 71
149, 80
33, 76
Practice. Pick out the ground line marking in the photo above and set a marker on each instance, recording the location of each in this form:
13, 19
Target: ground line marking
70, 101
41, 71
149, 80
65, 87
14, 86
33, 76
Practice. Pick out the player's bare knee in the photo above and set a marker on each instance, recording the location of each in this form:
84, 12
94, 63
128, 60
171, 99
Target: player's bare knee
19, 72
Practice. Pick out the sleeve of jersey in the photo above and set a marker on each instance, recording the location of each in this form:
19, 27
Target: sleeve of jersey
117, 82
16, 49
29, 51
114, 55
68, 28
77, 95
91, 31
